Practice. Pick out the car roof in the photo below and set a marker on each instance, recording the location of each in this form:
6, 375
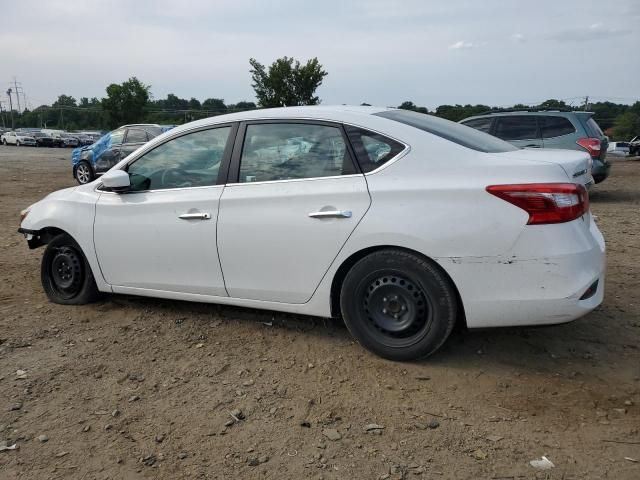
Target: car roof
555, 113
319, 112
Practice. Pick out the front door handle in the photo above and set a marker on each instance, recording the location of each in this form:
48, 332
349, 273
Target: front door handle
532, 146
195, 216
331, 214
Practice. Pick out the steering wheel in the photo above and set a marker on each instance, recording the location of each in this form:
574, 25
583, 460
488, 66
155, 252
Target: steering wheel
171, 176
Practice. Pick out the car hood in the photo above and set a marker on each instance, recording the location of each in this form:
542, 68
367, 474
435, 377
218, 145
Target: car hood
96, 148
576, 164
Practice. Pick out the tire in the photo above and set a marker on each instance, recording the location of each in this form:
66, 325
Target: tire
17, 143
398, 305
84, 173
65, 273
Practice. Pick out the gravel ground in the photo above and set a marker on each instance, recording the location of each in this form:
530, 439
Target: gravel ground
143, 388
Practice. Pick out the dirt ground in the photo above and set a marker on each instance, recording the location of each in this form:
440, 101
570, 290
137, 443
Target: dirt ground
134, 387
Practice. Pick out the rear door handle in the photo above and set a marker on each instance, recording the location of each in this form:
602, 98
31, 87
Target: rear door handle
195, 216
331, 214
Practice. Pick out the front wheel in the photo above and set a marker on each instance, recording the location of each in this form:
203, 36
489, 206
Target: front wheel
398, 304
17, 143
84, 174
65, 273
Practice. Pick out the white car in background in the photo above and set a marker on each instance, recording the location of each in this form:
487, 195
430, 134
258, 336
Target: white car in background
618, 149
401, 223
18, 138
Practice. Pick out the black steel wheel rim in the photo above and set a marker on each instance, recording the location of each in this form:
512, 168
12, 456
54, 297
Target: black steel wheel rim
397, 310
66, 272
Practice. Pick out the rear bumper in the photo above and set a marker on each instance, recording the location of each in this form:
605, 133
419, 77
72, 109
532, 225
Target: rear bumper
600, 170
539, 288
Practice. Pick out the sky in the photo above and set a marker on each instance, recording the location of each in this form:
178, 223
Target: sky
495, 52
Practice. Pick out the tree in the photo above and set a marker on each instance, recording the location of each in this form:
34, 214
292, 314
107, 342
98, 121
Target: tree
414, 108
287, 82
241, 106
626, 126
214, 105
64, 101
126, 102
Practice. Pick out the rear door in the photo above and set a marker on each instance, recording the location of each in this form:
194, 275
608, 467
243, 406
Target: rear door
135, 138
519, 130
293, 198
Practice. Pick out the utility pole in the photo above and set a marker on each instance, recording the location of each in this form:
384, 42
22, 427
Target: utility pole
10, 108
18, 87
586, 103
4, 125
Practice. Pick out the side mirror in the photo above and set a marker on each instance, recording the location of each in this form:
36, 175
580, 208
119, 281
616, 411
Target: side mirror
116, 181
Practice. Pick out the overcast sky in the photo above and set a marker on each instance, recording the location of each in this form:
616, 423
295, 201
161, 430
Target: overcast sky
380, 51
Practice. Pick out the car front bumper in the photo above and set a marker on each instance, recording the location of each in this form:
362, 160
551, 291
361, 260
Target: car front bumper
544, 280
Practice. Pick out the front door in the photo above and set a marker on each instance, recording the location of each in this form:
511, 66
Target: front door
161, 235
107, 151
293, 199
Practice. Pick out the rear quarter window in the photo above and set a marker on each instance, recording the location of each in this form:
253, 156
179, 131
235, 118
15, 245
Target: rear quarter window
482, 124
454, 132
372, 149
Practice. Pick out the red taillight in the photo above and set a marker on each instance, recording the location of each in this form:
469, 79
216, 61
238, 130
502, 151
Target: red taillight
591, 145
545, 202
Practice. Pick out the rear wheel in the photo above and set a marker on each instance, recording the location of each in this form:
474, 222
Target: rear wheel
398, 304
66, 276
84, 174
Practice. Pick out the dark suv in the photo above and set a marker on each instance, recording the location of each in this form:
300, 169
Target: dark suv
95, 159
549, 129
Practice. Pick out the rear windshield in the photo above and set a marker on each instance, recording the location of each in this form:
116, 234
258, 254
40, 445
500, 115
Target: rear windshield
454, 132
594, 127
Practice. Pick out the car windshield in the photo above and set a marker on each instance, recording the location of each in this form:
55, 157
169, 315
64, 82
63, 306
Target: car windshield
454, 132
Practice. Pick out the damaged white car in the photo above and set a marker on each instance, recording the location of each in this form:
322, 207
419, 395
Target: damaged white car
401, 223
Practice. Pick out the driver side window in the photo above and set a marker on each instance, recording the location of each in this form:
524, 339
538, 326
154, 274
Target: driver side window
192, 160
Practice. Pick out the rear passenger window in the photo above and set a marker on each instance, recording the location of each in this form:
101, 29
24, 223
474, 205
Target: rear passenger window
372, 149
135, 135
514, 127
482, 124
555, 126
288, 151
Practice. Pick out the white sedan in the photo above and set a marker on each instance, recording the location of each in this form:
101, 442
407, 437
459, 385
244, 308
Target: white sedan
400, 223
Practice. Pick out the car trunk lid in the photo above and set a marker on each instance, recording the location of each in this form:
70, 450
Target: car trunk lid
576, 164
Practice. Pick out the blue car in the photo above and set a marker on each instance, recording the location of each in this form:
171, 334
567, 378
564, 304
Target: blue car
93, 160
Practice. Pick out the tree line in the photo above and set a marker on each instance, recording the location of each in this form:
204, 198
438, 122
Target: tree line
286, 82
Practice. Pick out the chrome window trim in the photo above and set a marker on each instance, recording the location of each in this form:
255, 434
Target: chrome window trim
147, 147
351, 175
97, 189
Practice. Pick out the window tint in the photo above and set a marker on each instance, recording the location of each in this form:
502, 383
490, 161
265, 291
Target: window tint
372, 149
454, 132
135, 135
482, 124
555, 126
515, 127
116, 136
192, 160
285, 151
594, 127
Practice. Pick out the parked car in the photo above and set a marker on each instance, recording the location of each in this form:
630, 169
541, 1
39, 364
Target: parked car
619, 149
18, 138
399, 222
549, 129
44, 140
93, 160
70, 140
83, 138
